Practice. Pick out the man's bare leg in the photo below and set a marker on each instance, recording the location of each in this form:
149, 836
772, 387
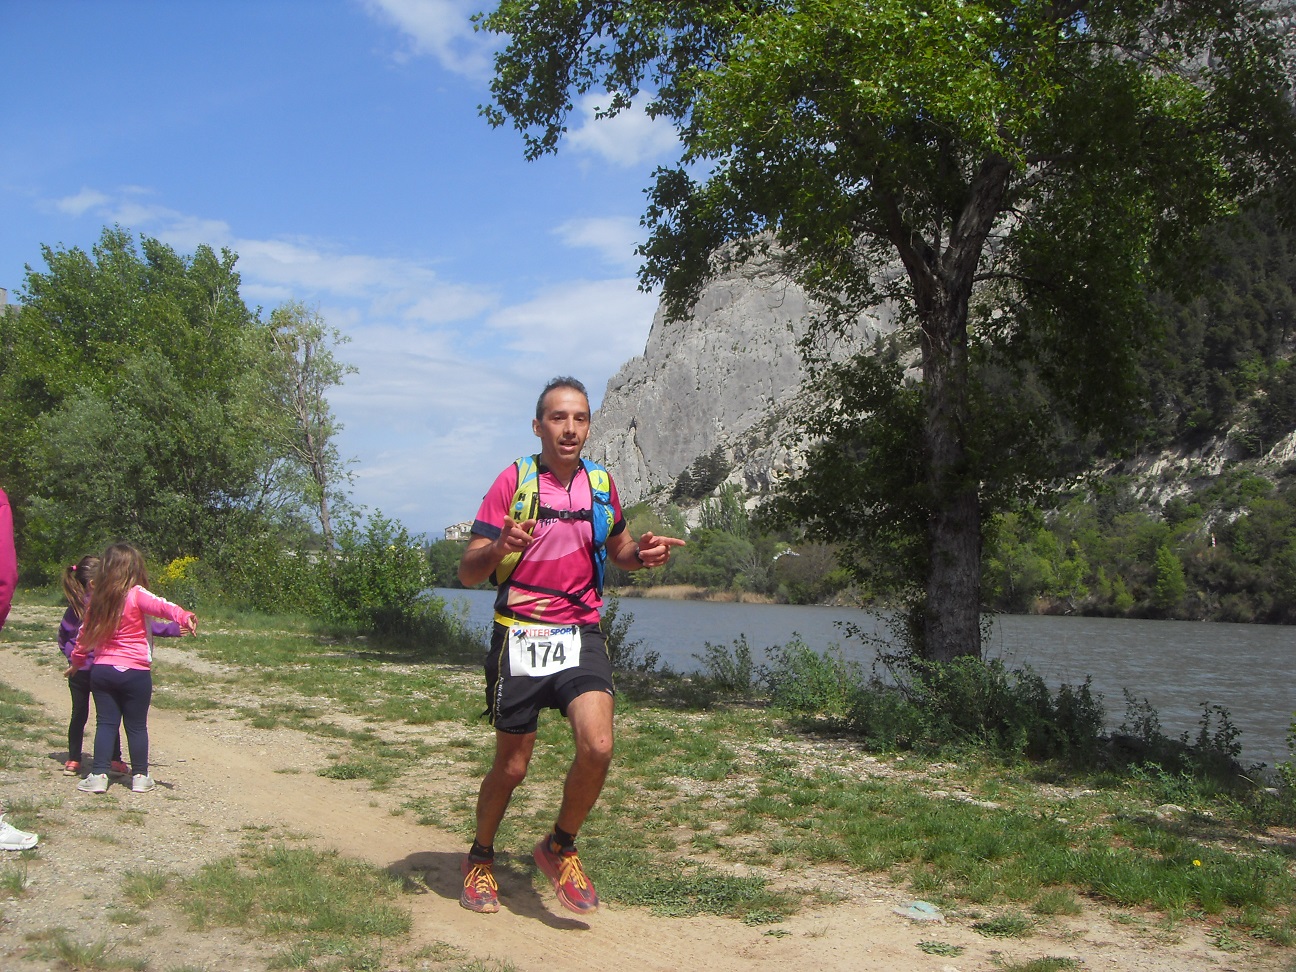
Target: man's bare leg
590, 716
512, 756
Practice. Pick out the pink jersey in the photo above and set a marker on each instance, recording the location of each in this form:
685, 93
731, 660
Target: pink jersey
131, 645
553, 583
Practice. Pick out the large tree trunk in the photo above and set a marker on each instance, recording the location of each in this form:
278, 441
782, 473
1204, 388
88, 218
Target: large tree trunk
952, 609
942, 281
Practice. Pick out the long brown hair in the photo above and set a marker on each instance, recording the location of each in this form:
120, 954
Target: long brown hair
120, 568
77, 579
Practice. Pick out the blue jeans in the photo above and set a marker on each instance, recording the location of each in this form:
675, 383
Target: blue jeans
121, 698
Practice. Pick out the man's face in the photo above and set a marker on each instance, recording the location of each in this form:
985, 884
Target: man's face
564, 427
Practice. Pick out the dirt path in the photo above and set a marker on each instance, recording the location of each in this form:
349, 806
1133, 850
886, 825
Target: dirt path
220, 776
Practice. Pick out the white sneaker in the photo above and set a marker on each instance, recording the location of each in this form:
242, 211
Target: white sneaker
94, 783
142, 783
11, 838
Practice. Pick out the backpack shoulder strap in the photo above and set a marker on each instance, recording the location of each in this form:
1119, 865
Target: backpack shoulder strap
602, 516
525, 505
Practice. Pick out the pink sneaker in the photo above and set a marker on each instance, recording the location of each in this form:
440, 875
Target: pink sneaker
563, 869
480, 892
118, 767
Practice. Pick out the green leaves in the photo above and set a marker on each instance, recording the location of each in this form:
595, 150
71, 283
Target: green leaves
133, 394
1034, 170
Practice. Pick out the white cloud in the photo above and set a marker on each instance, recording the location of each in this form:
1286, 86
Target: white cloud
442, 29
586, 328
431, 425
314, 268
125, 206
628, 139
187, 233
613, 237
83, 201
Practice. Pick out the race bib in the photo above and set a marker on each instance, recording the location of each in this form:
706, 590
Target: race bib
542, 650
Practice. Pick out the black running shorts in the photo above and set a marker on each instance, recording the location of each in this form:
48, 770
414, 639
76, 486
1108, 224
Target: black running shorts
513, 702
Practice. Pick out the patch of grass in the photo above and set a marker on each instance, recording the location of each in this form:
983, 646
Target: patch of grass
344, 771
13, 878
23, 729
1010, 924
941, 948
318, 902
125, 916
1052, 964
1057, 901
142, 888
680, 888
97, 956
1226, 941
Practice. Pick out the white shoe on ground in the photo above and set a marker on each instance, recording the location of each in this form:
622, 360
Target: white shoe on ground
142, 783
11, 838
94, 783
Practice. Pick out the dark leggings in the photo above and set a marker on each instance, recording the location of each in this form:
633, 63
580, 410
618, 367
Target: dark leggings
121, 698
79, 687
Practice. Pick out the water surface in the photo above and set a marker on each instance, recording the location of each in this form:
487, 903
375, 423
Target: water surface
1175, 665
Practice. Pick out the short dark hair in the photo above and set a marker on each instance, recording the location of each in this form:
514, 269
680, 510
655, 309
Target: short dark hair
562, 381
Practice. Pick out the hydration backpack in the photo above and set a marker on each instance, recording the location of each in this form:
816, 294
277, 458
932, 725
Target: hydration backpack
526, 506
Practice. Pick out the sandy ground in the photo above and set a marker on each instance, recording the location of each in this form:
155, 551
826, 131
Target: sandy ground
219, 776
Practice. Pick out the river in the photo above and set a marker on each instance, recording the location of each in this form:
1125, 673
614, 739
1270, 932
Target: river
1175, 665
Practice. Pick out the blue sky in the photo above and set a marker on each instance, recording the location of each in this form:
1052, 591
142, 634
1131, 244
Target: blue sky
336, 146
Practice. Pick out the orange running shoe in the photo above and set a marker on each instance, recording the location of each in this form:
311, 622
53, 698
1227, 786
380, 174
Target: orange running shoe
480, 892
563, 869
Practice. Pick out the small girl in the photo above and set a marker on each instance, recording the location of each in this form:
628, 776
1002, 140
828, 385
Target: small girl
77, 580
121, 679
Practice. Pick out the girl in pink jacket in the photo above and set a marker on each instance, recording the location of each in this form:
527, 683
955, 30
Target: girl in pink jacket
116, 631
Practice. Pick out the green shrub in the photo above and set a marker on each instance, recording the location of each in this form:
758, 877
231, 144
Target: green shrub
885, 719
801, 680
729, 669
1211, 756
264, 571
1287, 769
968, 702
378, 580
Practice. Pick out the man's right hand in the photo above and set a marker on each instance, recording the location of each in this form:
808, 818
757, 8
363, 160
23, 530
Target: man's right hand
514, 536
482, 556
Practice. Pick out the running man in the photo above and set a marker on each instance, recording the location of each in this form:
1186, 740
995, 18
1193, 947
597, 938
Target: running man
543, 534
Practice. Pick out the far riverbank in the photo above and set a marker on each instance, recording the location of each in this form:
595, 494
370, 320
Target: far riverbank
691, 592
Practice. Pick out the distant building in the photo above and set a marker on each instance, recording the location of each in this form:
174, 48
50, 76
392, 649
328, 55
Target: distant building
459, 531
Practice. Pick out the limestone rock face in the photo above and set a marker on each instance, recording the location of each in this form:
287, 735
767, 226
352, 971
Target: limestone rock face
724, 378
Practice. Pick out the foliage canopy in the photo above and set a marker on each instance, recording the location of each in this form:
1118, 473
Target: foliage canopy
1017, 176
143, 400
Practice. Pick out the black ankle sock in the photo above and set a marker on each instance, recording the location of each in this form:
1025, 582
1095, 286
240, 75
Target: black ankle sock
564, 840
482, 852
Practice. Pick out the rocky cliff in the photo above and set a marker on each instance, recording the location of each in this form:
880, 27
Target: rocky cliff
723, 379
